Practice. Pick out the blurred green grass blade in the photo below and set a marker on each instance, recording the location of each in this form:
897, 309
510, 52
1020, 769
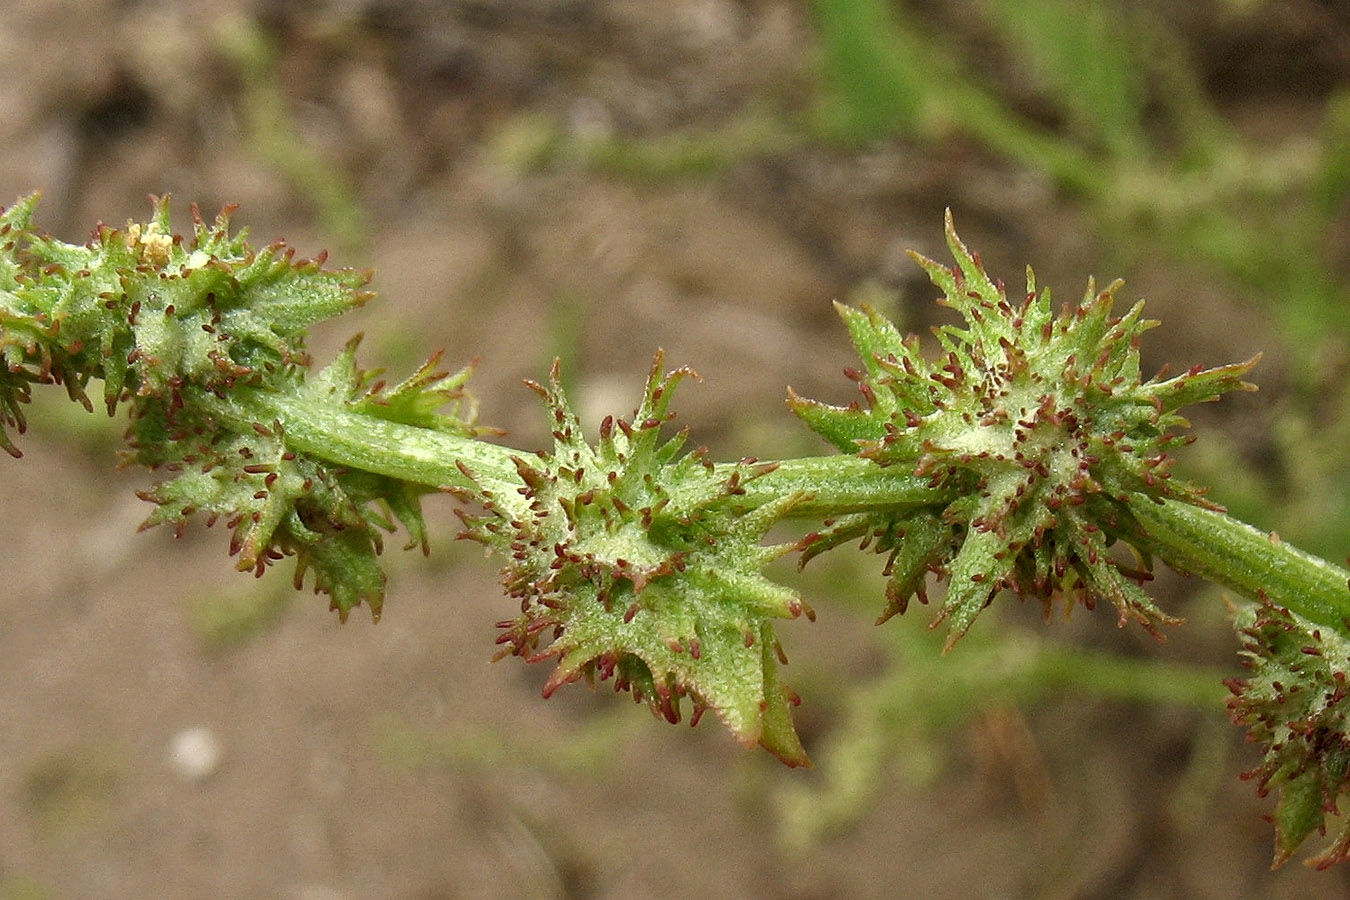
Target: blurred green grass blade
869, 61
1084, 52
886, 75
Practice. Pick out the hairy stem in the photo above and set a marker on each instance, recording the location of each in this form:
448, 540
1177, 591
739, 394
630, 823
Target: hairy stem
833, 485
406, 452
836, 485
1250, 562
1193, 539
1188, 537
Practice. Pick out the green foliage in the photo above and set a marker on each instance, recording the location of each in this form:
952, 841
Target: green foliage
871, 66
887, 76
276, 140
1186, 186
168, 326
896, 724
1077, 51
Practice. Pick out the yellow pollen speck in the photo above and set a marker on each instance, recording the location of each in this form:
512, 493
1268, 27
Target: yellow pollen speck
154, 246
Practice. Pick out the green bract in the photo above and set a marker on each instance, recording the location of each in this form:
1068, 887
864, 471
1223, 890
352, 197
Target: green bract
1038, 423
179, 333
1294, 703
635, 562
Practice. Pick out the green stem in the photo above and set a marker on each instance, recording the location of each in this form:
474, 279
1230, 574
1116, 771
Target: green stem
837, 485
833, 485
1249, 562
407, 452
1210, 544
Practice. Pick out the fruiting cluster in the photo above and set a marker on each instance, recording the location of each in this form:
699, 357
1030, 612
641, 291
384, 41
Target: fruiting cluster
1039, 424
152, 317
281, 501
635, 562
1294, 703
178, 332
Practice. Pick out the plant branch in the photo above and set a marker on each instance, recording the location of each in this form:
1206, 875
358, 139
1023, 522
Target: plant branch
1008, 462
828, 485
423, 456
1255, 564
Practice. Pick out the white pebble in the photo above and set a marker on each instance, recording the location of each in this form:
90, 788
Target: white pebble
194, 753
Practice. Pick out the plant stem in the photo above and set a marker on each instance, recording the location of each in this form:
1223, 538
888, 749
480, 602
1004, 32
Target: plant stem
833, 485
836, 485
1190, 538
407, 452
1250, 562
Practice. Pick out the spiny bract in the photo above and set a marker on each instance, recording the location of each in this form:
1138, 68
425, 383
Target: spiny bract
1294, 705
634, 562
1041, 426
178, 331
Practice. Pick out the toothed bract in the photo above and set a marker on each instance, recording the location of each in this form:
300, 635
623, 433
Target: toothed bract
195, 337
634, 563
1039, 423
1294, 704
